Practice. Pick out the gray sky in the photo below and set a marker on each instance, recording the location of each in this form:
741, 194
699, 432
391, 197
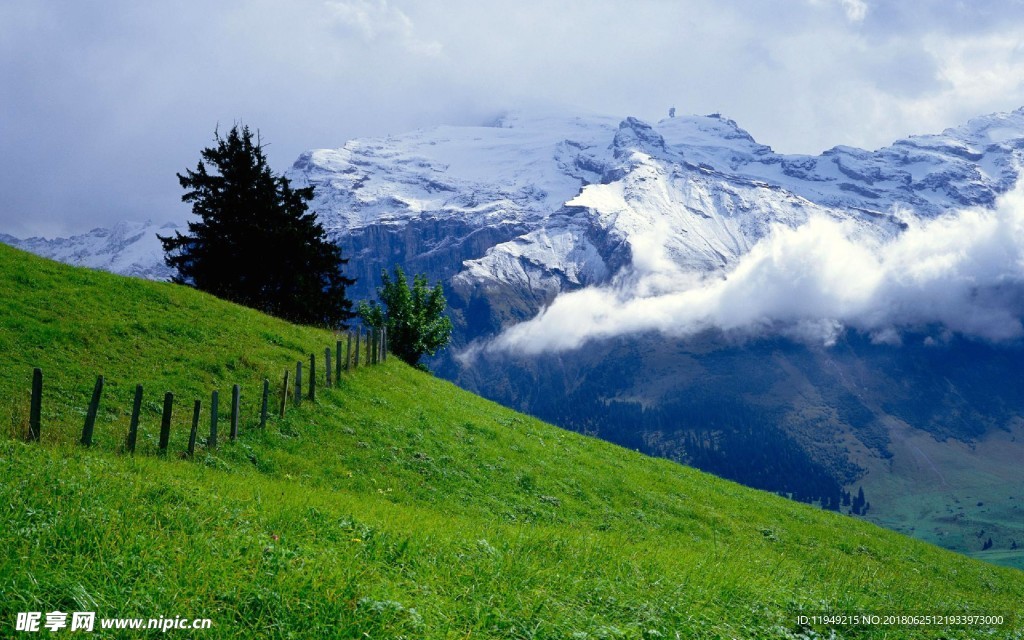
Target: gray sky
102, 102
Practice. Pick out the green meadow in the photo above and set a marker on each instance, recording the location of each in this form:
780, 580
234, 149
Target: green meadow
394, 506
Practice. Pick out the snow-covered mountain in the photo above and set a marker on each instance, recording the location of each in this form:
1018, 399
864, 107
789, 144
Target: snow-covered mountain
542, 204
128, 248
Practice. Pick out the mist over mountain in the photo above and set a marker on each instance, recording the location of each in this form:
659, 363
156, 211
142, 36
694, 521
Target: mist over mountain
803, 324
960, 272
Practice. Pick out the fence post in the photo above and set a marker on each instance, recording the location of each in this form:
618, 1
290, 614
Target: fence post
195, 430
36, 406
337, 362
90, 416
384, 351
133, 426
373, 345
235, 391
263, 405
348, 350
284, 393
368, 340
165, 423
214, 401
327, 366
312, 377
298, 383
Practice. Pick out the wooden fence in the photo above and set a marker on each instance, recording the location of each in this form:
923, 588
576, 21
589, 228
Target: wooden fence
374, 343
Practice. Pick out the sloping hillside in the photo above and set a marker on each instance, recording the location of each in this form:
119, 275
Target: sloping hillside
396, 505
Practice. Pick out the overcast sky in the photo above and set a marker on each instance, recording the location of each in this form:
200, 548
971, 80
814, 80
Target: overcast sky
102, 102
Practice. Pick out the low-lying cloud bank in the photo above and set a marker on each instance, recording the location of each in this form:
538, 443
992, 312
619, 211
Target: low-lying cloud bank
963, 273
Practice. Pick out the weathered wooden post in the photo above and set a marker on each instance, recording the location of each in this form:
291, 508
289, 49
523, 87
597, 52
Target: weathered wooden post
327, 366
337, 362
312, 377
195, 430
284, 393
355, 360
263, 405
165, 423
235, 392
348, 350
214, 401
298, 383
36, 406
90, 416
368, 341
373, 345
133, 426
384, 351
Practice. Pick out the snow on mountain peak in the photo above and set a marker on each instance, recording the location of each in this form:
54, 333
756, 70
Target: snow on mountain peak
635, 135
129, 248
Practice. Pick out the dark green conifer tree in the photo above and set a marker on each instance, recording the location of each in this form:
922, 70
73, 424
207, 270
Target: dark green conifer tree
255, 242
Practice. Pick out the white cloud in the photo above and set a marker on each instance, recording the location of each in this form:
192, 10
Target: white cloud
377, 20
963, 273
980, 68
855, 10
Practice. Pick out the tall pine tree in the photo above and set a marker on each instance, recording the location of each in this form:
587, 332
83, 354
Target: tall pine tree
256, 243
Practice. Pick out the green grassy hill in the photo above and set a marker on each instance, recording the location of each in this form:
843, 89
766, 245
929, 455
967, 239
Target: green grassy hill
396, 505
